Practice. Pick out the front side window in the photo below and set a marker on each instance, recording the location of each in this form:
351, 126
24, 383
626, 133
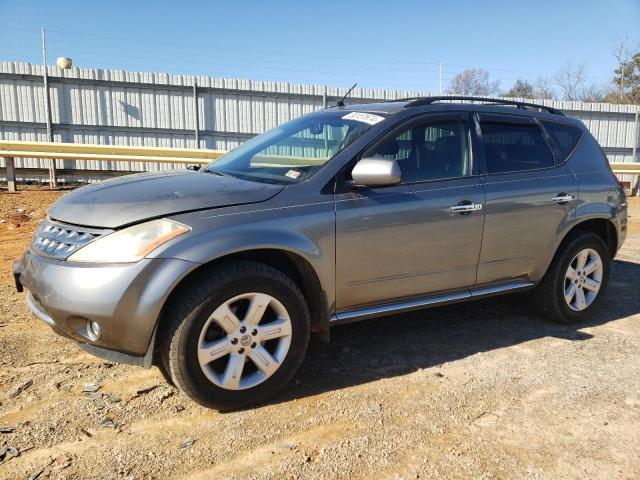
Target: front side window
565, 136
295, 150
513, 147
429, 151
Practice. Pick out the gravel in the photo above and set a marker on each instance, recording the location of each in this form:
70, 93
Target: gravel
477, 390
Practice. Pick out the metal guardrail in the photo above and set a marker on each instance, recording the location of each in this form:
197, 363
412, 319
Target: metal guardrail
630, 168
82, 151
11, 149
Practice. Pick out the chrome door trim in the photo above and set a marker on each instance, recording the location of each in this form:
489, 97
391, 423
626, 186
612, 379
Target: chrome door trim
502, 288
425, 302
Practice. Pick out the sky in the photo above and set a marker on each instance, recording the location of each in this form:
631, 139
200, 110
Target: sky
397, 45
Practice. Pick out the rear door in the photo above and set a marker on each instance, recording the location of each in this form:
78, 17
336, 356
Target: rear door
406, 241
530, 197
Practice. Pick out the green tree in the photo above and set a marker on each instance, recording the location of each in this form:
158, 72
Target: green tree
627, 79
521, 89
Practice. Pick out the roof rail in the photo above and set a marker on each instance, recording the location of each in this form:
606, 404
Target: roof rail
416, 102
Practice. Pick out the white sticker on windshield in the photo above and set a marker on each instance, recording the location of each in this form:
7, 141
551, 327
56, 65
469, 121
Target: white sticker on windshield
292, 174
369, 118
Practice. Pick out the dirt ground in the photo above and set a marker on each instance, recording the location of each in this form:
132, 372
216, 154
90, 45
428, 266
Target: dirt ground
478, 390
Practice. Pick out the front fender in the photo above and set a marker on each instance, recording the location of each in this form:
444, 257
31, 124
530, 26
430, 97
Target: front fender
304, 230
209, 246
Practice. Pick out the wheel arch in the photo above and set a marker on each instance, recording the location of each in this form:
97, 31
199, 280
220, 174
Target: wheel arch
292, 264
601, 226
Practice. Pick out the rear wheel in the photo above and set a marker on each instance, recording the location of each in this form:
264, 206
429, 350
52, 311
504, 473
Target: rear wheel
237, 336
576, 280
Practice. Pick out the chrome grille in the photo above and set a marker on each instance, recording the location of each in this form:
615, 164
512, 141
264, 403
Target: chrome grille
59, 240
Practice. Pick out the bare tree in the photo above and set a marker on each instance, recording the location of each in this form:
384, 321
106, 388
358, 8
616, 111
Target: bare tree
473, 82
543, 89
592, 93
570, 79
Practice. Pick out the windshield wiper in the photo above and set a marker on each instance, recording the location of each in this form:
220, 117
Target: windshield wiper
217, 172
249, 178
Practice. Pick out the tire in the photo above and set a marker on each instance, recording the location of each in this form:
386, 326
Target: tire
549, 295
240, 373
165, 373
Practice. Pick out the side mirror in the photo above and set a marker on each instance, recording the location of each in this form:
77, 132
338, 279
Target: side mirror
376, 172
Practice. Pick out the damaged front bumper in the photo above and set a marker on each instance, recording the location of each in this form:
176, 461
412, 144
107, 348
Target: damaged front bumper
124, 300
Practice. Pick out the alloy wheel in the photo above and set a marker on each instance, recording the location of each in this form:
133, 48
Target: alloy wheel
583, 279
244, 341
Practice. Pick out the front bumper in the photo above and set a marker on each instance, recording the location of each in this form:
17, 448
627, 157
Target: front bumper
126, 299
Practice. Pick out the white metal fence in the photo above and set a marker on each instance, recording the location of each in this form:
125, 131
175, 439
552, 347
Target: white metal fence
116, 107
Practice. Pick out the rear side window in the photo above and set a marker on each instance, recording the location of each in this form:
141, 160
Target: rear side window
512, 147
565, 136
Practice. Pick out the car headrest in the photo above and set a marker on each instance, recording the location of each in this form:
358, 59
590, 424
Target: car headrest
446, 142
390, 147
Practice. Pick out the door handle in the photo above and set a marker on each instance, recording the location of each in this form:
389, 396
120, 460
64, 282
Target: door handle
562, 198
468, 208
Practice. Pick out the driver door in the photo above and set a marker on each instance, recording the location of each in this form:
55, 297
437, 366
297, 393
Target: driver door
404, 241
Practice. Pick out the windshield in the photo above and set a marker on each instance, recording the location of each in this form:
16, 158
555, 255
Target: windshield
295, 150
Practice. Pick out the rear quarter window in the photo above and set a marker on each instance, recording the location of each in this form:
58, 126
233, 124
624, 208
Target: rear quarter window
566, 137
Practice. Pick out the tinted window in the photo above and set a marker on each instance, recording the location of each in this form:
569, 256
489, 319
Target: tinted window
429, 151
514, 147
565, 136
295, 150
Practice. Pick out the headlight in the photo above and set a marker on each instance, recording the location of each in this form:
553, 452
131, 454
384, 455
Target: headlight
130, 244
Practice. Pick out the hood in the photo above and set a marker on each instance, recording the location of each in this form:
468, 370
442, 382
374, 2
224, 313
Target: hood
133, 198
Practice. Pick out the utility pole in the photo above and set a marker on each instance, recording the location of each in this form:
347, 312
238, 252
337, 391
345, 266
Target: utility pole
634, 149
196, 113
440, 78
53, 181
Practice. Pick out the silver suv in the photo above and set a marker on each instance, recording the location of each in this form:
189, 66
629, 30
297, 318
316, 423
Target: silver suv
219, 276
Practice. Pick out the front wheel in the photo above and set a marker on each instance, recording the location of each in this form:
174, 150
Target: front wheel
576, 280
236, 336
